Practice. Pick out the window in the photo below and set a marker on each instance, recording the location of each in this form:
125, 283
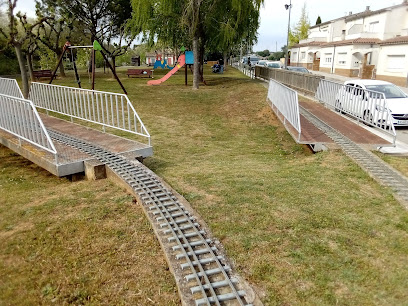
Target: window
374, 27
303, 55
395, 62
342, 58
328, 57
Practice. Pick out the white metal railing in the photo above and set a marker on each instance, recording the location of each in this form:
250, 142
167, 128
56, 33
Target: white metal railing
250, 72
105, 108
20, 118
367, 106
285, 100
10, 87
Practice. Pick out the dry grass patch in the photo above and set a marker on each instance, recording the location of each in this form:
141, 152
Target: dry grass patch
75, 243
302, 228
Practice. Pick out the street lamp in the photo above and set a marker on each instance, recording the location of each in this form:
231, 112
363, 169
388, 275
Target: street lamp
288, 7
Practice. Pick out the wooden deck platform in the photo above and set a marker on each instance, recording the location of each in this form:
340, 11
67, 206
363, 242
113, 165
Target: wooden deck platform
69, 160
311, 135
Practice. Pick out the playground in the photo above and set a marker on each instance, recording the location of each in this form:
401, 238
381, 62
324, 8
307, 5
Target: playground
301, 228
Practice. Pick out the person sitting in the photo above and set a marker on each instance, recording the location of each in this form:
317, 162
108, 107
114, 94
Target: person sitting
217, 67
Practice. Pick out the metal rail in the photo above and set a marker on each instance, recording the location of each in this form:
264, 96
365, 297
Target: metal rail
19, 117
10, 87
369, 107
207, 275
285, 100
105, 108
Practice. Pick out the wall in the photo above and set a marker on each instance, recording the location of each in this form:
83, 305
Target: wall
396, 21
384, 72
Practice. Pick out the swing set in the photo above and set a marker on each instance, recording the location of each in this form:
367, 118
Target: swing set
95, 47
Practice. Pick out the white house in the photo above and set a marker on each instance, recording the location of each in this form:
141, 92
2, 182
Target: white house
370, 44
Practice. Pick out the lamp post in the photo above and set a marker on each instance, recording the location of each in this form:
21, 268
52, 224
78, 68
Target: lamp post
288, 7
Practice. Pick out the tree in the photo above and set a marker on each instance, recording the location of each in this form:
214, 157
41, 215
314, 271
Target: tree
20, 31
57, 28
215, 25
318, 20
104, 20
301, 30
264, 53
276, 56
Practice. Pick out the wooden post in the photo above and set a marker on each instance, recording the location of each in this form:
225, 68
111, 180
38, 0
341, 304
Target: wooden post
75, 69
93, 69
59, 62
114, 73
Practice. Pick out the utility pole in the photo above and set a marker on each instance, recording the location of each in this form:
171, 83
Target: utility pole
288, 7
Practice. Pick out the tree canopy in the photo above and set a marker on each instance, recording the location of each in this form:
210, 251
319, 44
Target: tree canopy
216, 25
301, 30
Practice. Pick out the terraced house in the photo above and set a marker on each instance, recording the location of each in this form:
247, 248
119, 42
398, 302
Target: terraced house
369, 44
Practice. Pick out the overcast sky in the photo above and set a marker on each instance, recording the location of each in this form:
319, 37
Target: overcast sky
274, 17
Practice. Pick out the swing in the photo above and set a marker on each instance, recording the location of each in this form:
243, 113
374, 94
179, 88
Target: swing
95, 47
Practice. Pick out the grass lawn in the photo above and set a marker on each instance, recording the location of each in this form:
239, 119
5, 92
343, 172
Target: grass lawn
75, 243
302, 228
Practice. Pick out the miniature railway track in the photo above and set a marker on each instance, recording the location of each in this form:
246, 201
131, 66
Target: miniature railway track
205, 272
372, 164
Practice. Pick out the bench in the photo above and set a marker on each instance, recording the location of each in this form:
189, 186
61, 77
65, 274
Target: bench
38, 74
144, 73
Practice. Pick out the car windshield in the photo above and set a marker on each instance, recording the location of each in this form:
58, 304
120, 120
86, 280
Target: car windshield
391, 91
254, 59
273, 65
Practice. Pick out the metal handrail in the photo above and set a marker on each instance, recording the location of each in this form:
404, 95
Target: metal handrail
108, 109
286, 102
20, 118
10, 87
367, 106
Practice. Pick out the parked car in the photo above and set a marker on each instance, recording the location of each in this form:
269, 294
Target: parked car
274, 64
262, 63
298, 69
364, 99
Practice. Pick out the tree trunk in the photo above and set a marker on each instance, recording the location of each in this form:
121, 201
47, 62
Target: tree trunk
61, 66
225, 61
114, 63
21, 63
202, 63
196, 73
30, 66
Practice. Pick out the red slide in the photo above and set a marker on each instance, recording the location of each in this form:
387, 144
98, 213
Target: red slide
181, 62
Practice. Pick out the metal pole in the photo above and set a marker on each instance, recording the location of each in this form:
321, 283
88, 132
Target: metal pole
113, 72
93, 69
287, 39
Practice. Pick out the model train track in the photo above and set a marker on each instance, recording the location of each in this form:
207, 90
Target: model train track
372, 164
205, 272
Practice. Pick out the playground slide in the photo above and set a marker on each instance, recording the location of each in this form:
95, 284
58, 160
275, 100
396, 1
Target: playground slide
181, 62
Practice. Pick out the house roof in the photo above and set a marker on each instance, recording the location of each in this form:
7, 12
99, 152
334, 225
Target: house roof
357, 41
399, 40
312, 43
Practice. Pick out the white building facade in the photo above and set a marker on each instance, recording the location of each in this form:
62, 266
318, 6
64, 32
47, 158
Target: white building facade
369, 45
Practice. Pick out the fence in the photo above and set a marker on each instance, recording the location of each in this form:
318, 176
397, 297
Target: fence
367, 106
250, 72
20, 118
285, 100
105, 108
10, 87
300, 81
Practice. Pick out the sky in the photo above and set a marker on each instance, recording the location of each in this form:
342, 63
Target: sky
274, 17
